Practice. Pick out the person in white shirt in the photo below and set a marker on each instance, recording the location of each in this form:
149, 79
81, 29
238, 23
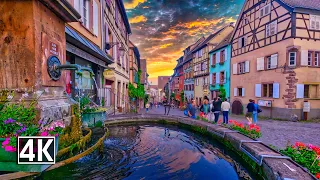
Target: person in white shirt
225, 107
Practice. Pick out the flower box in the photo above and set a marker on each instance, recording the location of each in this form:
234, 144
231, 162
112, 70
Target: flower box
221, 63
9, 161
90, 119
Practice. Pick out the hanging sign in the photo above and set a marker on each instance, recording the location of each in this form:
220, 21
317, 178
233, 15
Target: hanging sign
108, 74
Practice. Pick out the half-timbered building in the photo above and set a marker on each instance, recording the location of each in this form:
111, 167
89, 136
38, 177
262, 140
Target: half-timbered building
201, 62
275, 58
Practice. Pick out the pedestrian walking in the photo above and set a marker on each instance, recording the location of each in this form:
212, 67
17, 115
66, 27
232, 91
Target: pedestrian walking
225, 107
250, 108
205, 108
256, 111
151, 104
147, 107
166, 105
216, 109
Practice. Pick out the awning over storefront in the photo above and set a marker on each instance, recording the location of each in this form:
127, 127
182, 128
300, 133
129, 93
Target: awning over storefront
81, 42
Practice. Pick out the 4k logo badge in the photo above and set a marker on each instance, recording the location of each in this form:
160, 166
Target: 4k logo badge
36, 150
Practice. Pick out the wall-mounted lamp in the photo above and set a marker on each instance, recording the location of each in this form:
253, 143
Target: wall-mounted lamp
109, 45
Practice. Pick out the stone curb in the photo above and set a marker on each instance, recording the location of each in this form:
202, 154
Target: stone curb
274, 165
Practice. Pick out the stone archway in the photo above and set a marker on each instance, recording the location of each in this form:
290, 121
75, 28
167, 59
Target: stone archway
237, 107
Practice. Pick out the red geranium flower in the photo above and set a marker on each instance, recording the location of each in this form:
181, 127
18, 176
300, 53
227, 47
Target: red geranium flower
300, 144
318, 175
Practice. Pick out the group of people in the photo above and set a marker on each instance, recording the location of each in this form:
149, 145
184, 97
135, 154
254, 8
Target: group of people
210, 110
252, 112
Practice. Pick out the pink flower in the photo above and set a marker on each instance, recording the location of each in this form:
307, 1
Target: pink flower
310, 146
44, 133
10, 149
57, 134
6, 142
51, 129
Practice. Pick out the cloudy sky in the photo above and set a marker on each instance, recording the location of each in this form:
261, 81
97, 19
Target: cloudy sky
162, 29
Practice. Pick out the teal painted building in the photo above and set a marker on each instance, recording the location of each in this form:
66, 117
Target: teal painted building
220, 58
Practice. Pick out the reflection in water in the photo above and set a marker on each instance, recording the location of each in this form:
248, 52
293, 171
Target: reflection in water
150, 152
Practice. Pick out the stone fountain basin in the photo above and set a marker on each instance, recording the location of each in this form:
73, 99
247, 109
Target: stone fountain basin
90, 119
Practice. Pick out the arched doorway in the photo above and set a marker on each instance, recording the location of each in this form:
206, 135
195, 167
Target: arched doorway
237, 107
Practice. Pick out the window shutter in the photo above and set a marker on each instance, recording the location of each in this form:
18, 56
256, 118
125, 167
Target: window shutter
225, 54
235, 92
261, 12
267, 30
81, 9
312, 22
247, 66
300, 91
276, 90
239, 43
107, 33
211, 57
267, 9
211, 77
235, 68
95, 18
245, 41
274, 61
217, 78
258, 90
304, 57
77, 6
260, 64
243, 91
225, 77
275, 26
218, 57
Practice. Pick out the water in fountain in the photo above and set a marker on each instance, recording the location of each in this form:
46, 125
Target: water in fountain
95, 82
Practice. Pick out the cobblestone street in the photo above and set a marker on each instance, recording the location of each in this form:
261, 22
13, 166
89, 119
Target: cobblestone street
276, 133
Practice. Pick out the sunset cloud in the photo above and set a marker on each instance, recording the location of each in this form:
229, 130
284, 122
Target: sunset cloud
138, 19
163, 29
133, 3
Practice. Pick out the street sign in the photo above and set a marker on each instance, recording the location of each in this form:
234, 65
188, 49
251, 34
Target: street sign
306, 106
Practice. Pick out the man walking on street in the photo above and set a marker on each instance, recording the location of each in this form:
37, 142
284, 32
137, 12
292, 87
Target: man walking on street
166, 105
225, 107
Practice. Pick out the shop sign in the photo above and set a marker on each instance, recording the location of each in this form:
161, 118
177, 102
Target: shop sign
108, 74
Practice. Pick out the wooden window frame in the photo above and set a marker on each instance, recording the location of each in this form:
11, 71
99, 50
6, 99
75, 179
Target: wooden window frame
267, 94
222, 77
214, 78
239, 92
308, 92
310, 55
222, 56
316, 60
295, 59
267, 58
242, 66
214, 56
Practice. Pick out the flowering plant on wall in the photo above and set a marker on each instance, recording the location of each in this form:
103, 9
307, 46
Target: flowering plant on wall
18, 119
252, 130
48, 128
307, 156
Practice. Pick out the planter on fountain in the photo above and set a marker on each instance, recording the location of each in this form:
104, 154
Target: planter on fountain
90, 119
9, 161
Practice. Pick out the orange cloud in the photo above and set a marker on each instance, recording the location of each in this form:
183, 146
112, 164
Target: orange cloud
194, 28
138, 19
166, 45
133, 4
